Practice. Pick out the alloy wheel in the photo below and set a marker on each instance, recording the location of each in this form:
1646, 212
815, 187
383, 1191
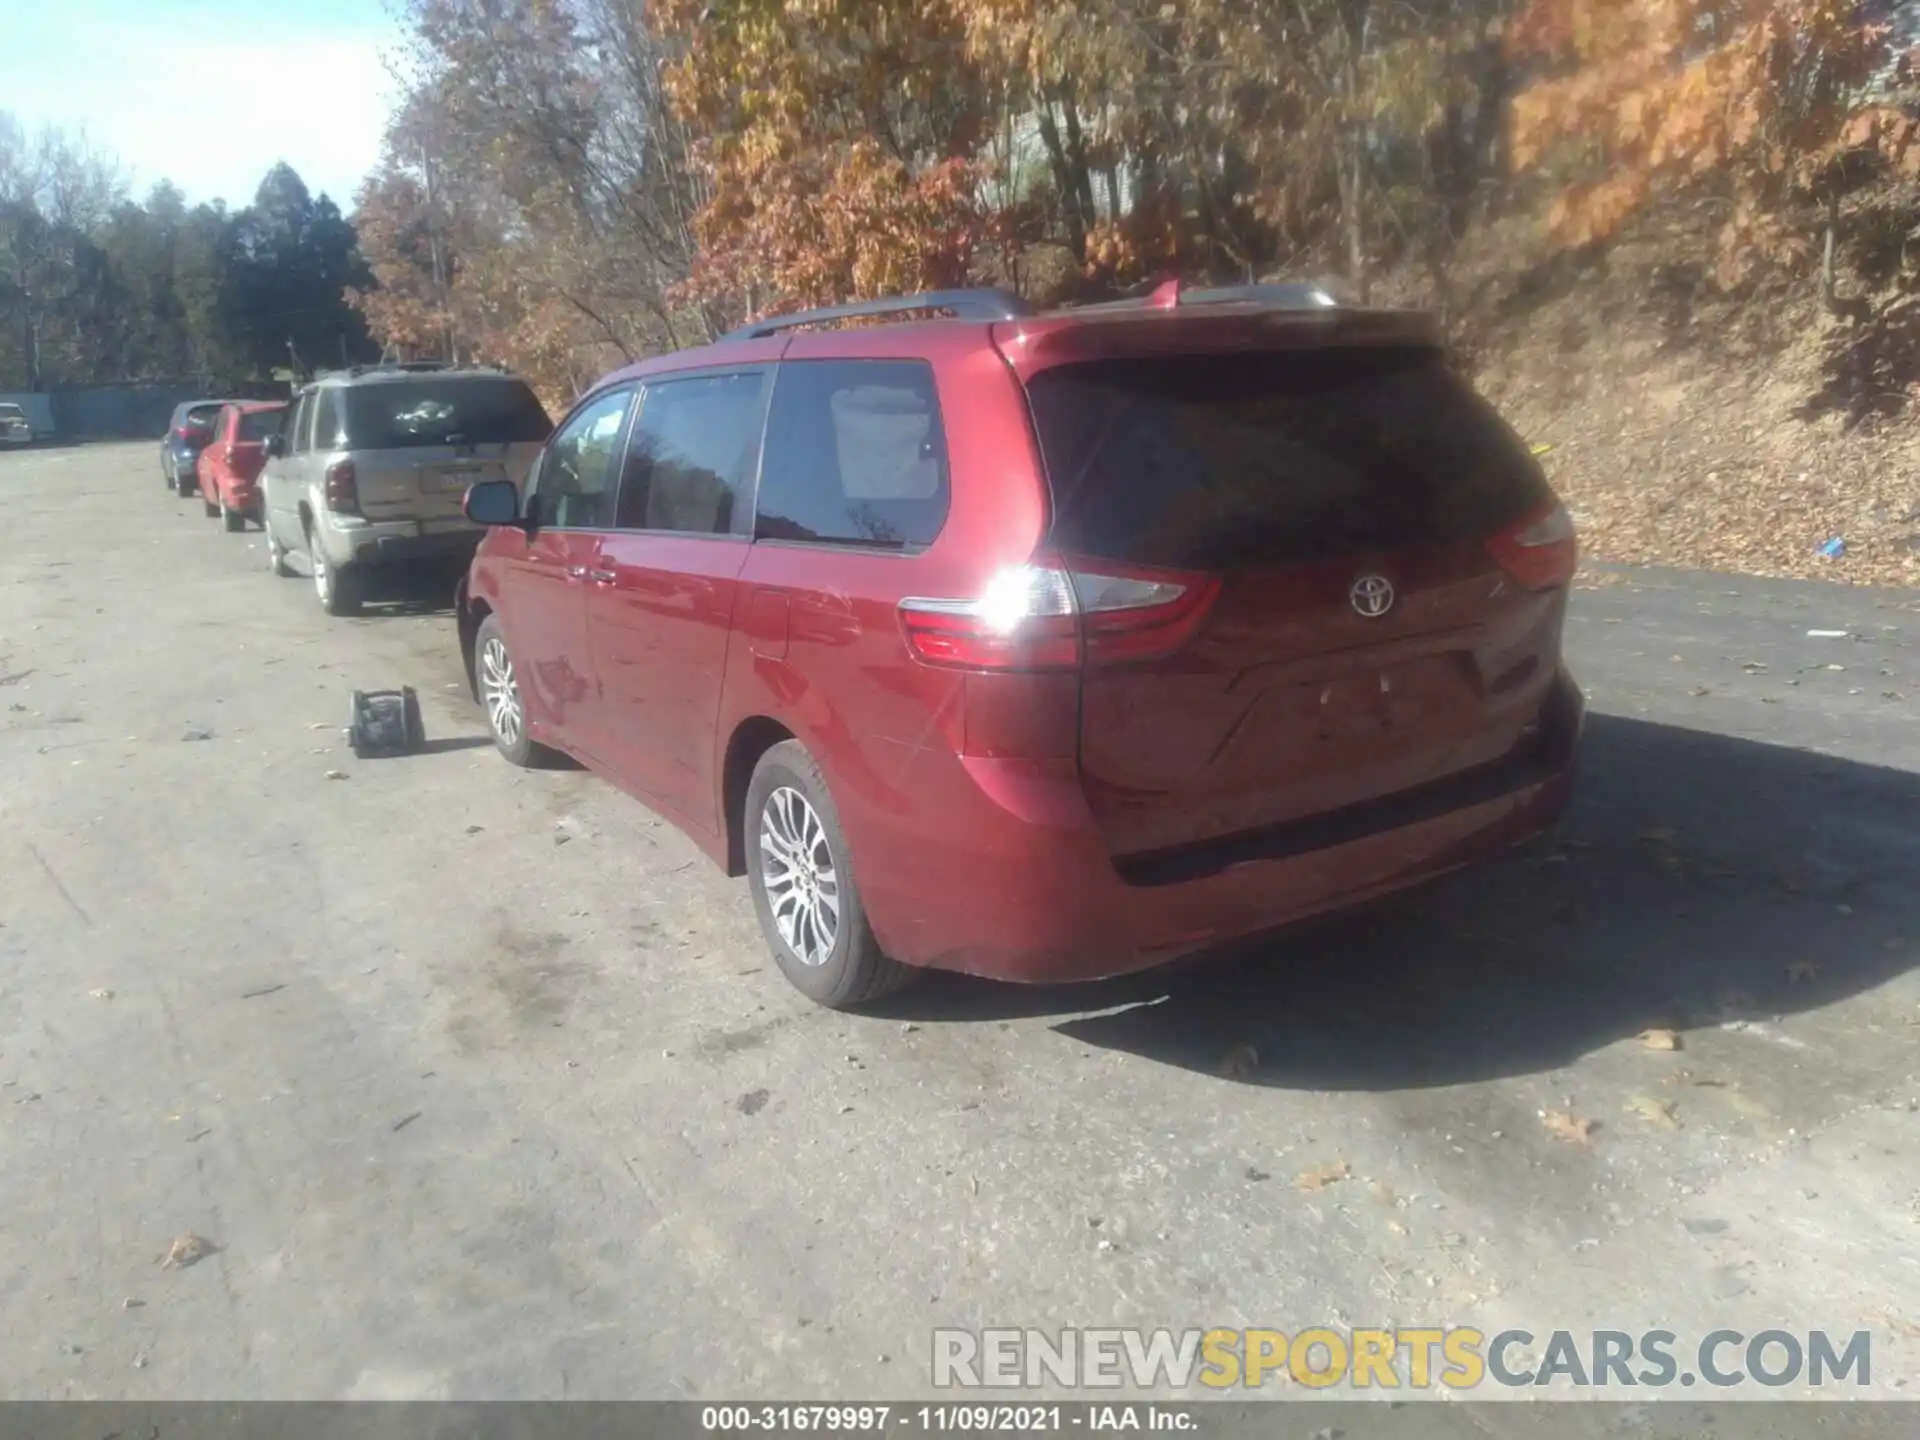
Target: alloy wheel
500, 691
798, 873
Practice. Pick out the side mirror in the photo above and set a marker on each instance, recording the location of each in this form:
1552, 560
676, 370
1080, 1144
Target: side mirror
493, 502
276, 447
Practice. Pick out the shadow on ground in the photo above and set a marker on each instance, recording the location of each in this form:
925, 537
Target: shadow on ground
444, 746
1698, 879
410, 590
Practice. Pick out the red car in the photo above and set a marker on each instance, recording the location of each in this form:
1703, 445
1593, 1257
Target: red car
1042, 646
230, 465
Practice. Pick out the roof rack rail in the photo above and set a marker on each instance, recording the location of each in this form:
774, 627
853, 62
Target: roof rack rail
404, 367
964, 304
1286, 295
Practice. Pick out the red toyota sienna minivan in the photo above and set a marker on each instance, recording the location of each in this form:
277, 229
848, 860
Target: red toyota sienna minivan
1041, 646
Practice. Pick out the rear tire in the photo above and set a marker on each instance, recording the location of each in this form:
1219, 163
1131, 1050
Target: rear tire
184, 485
212, 507
232, 521
338, 590
804, 889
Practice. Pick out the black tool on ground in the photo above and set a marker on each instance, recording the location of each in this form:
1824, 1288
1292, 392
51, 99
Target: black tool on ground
385, 722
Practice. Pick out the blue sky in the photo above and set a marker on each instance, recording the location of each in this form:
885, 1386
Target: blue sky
209, 93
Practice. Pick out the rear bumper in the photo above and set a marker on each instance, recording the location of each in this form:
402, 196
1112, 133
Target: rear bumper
398, 542
1036, 897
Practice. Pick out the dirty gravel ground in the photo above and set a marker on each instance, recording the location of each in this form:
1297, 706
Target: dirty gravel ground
481, 1084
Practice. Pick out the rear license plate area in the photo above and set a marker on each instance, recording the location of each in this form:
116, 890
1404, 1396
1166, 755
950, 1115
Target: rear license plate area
453, 479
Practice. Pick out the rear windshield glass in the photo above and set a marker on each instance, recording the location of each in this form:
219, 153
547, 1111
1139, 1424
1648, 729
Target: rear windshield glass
1232, 461
201, 414
259, 424
397, 415
12, 412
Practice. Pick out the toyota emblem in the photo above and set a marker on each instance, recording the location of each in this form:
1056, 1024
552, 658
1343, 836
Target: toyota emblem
1372, 595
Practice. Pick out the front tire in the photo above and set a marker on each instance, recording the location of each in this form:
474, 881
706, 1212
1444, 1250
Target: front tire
499, 686
276, 554
232, 521
804, 889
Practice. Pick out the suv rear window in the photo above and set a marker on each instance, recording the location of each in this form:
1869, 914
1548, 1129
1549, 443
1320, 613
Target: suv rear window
1238, 461
404, 414
259, 424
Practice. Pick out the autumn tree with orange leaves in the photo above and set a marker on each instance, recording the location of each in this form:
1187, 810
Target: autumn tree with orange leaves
1766, 98
839, 140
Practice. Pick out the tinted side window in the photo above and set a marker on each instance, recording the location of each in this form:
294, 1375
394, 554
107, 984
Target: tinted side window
574, 489
258, 424
692, 451
326, 423
297, 424
855, 455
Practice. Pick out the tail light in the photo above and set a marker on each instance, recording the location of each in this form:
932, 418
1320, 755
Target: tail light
1540, 551
342, 486
1054, 615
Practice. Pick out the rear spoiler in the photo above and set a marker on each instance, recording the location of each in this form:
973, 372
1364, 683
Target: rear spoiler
1134, 331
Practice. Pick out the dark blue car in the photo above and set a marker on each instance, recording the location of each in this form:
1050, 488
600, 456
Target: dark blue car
187, 435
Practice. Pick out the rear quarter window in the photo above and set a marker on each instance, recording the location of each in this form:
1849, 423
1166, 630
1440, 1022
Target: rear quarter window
855, 455
1246, 460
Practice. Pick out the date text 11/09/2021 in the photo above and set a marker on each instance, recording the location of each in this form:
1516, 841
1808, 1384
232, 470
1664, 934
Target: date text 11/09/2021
967, 1418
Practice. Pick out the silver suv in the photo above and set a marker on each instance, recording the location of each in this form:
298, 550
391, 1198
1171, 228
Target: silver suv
371, 465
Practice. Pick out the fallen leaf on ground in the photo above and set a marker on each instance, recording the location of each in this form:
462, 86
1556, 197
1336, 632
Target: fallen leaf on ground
1655, 1112
1570, 1128
1802, 970
1239, 1062
1324, 1176
1660, 1039
101, 994
187, 1250
336, 774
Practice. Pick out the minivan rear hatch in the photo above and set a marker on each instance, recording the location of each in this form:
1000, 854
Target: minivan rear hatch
1346, 509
